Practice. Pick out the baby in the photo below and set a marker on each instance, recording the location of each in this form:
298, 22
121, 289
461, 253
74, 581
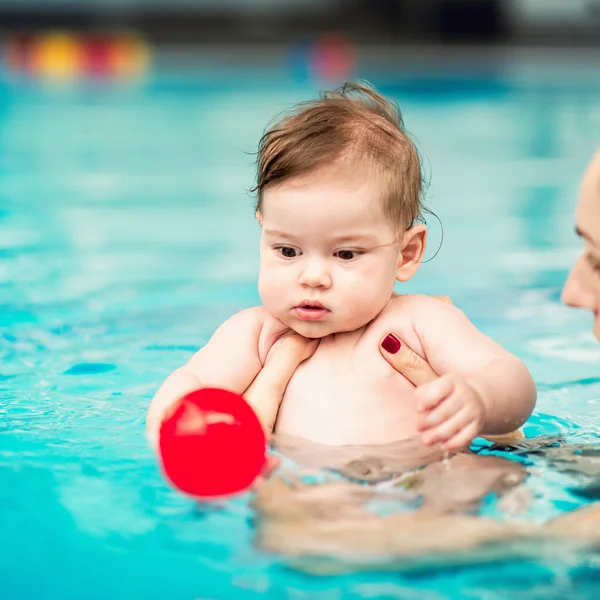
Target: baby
339, 204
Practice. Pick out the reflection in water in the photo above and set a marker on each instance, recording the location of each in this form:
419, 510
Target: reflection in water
340, 517
579, 459
334, 525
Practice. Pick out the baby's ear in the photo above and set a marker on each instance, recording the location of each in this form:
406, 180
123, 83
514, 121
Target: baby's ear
259, 217
413, 244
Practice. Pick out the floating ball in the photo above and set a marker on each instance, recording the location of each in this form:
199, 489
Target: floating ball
212, 444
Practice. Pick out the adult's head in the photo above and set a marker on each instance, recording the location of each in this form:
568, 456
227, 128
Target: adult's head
582, 288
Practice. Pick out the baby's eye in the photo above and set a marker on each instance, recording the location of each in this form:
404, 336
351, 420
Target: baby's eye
347, 254
288, 252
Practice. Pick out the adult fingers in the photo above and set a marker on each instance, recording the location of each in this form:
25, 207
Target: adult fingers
292, 348
265, 393
308, 348
406, 361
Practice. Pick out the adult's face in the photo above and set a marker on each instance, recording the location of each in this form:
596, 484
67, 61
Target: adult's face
582, 288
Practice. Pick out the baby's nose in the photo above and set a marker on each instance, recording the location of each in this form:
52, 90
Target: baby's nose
315, 274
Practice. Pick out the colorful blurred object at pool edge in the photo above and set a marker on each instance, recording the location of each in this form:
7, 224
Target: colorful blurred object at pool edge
64, 56
333, 57
328, 59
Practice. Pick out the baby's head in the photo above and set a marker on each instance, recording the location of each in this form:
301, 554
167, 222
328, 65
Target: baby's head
339, 195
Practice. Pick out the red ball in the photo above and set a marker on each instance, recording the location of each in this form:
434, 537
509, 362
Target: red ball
212, 444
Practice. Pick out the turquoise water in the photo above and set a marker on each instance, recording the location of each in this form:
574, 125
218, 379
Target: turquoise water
127, 236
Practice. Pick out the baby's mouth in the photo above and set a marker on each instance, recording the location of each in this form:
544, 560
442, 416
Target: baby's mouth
310, 310
311, 304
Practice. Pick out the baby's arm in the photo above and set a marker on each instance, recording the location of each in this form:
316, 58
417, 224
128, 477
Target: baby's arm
475, 373
230, 360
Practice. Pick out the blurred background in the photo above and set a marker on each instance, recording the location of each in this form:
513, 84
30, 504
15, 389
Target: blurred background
128, 127
235, 21
127, 235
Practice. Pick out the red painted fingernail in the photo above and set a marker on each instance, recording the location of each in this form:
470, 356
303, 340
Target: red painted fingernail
391, 344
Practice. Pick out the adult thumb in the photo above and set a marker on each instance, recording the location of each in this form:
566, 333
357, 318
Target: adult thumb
406, 361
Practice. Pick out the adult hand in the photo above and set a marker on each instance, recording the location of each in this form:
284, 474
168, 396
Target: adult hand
450, 410
266, 391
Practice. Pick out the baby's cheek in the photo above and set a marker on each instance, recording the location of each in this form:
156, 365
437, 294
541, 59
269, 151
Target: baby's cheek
271, 293
371, 302
265, 282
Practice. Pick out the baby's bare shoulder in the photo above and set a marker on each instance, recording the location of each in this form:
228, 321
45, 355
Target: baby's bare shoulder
411, 307
397, 317
421, 307
256, 317
250, 332
409, 316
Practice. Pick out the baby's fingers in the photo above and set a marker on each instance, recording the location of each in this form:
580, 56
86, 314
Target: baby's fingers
432, 394
441, 413
462, 439
448, 429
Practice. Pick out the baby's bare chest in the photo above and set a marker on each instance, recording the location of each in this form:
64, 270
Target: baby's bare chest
347, 393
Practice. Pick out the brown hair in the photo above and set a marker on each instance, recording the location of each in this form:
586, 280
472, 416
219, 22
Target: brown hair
348, 124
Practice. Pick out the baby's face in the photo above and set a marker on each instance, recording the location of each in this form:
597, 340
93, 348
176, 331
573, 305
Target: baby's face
328, 254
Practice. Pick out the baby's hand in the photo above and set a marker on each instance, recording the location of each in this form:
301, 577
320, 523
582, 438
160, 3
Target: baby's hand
451, 412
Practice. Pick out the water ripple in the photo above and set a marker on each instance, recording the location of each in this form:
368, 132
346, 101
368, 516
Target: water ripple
90, 369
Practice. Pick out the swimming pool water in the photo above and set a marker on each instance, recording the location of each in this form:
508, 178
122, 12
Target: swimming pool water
127, 236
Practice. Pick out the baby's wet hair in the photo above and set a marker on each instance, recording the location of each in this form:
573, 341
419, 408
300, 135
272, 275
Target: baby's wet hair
346, 126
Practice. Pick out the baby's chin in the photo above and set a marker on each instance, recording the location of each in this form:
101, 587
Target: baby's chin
318, 329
